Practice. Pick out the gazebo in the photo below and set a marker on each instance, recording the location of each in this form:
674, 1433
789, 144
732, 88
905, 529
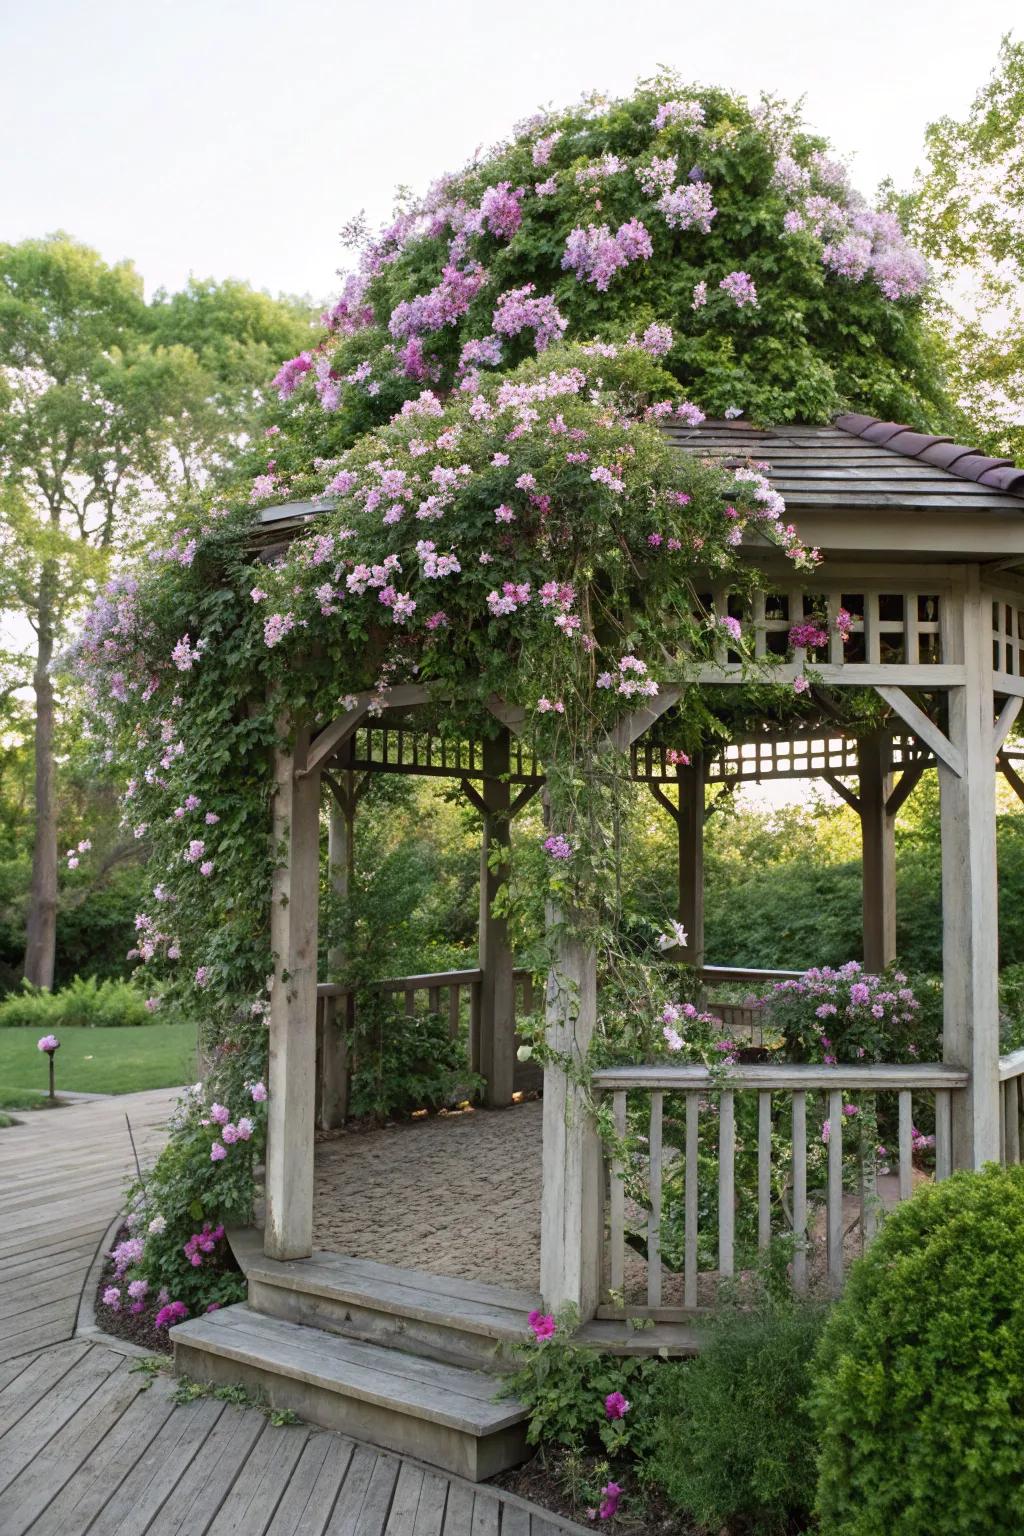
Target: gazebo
923, 542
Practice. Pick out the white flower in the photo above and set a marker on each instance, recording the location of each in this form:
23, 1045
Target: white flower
675, 937
157, 1225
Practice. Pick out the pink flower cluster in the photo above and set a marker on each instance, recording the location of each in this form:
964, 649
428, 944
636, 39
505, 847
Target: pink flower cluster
594, 254
517, 310
202, 1242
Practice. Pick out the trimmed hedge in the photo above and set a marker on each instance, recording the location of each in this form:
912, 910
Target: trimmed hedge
919, 1378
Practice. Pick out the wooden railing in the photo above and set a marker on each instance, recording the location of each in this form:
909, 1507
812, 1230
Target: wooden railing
456, 994
1011, 1078
775, 1199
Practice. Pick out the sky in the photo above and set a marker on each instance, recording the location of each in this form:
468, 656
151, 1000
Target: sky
234, 138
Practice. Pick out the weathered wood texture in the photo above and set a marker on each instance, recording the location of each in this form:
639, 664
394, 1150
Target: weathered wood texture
62, 1175
88, 1445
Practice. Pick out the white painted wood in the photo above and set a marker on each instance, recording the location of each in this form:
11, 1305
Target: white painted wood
293, 937
799, 1138
1011, 1065
570, 1234
970, 946
654, 1149
869, 1204
764, 1169
1011, 1117
924, 728
834, 1195
691, 1201
906, 1168
726, 1181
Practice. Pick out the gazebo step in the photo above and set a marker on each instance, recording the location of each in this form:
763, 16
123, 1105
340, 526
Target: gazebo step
457, 1322
442, 1414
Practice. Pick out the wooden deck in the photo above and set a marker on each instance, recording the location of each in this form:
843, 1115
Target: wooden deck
62, 1174
89, 1444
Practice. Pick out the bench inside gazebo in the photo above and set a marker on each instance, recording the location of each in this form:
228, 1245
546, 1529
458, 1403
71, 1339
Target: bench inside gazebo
924, 547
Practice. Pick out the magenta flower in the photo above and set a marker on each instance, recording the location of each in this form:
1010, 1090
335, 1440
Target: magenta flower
48, 1043
611, 1493
542, 1325
112, 1298
616, 1406
173, 1312
219, 1113
259, 1093
558, 847
218, 1153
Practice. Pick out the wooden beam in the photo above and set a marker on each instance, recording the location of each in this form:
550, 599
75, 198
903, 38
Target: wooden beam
1005, 721
878, 853
523, 798
842, 790
632, 726
497, 982
923, 727
663, 799
908, 781
690, 855
332, 736
1011, 775
293, 936
853, 674
474, 796
571, 1223
970, 945
513, 716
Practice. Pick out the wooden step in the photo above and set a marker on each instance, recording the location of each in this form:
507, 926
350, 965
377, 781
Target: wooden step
457, 1322
442, 1414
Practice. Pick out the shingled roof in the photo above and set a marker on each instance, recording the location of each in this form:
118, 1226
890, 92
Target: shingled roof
860, 462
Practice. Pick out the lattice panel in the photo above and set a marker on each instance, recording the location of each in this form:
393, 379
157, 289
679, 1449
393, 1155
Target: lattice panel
380, 748
760, 758
882, 628
1008, 636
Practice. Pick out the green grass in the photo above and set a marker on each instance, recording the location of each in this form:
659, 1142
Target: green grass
97, 1061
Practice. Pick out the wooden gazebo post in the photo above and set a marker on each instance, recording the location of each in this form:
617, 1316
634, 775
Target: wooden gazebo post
970, 940
293, 937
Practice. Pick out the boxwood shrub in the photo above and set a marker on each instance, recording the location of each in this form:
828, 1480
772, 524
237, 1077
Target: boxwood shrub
919, 1378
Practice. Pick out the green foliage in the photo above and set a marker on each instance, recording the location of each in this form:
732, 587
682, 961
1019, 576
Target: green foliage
967, 212
733, 1438
404, 1063
564, 1386
919, 1379
84, 1004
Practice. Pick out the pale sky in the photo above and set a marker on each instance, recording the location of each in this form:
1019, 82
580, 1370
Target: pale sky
235, 137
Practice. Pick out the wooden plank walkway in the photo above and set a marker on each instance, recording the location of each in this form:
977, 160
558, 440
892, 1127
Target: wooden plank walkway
62, 1176
92, 1446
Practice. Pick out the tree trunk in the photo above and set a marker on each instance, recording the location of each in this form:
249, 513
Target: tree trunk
41, 925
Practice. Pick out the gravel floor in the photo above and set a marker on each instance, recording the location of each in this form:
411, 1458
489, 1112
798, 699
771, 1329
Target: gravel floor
457, 1194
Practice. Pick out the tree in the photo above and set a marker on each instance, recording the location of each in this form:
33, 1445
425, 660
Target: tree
967, 213
107, 404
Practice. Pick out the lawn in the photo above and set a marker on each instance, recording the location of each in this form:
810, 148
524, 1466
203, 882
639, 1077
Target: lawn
97, 1061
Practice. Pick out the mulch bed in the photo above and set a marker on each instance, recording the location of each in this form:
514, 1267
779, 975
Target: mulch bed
136, 1327
543, 1481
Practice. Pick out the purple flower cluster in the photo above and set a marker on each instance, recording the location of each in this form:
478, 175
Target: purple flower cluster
517, 310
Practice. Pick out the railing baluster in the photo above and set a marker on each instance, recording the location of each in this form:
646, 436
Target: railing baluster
474, 1024
410, 1002
906, 1149
654, 1219
800, 1192
835, 1191
454, 1010
617, 1202
868, 1171
726, 1181
1011, 1112
764, 1169
691, 1202
434, 999
943, 1133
